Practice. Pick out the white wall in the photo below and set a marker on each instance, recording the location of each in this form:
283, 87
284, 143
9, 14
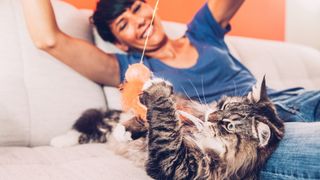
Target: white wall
303, 22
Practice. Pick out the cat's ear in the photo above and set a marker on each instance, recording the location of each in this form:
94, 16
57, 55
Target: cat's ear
259, 92
264, 134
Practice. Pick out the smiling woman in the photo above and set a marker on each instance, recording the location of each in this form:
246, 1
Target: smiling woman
128, 28
261, 14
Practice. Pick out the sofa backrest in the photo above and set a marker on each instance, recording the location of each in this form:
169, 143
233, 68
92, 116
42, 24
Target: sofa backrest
39, 96
284, 64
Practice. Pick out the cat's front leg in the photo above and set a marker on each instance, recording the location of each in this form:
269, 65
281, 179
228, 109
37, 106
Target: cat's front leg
157, 96
156, 92
164, 137
170, 155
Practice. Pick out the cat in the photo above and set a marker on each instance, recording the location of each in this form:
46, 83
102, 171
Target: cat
233, 142
228, 139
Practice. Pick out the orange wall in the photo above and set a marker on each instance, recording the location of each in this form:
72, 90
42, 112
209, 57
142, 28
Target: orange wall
260, 19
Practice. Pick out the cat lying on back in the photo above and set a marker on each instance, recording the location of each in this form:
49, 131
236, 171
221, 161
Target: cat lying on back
230, 140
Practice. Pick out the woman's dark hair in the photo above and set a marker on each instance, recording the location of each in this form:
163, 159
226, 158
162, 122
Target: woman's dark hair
107, 11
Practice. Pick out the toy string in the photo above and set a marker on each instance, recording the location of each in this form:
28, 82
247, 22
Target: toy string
149, 30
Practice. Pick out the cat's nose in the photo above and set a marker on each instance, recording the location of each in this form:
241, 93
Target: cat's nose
214, 117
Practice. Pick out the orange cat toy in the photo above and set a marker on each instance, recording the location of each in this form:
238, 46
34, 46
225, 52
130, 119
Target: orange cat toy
136, 76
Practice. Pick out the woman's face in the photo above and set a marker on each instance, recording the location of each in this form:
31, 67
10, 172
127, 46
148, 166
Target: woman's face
131, 28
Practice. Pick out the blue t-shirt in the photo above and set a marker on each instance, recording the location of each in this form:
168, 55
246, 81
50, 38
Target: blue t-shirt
216, 72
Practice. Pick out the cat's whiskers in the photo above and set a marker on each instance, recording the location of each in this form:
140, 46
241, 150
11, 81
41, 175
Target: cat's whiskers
185, 92
207, 113
242, 93
204, 97
210, 130
195, 89
198, 94
196, 121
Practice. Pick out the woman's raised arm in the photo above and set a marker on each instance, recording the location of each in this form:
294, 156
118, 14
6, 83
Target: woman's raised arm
224, 10
80, 55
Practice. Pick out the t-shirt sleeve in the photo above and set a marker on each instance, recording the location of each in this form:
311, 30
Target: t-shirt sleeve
205, 27
124, 61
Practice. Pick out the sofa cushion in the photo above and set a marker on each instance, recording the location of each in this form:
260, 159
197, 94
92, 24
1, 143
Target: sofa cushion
40, 97
14, 109
284, 64
92, 161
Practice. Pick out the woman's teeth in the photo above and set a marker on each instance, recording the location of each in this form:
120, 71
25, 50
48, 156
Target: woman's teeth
148, 31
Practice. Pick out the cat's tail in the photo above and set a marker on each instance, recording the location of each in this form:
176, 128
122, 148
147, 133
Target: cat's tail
92, 126
90, 122
68, 139
95, 125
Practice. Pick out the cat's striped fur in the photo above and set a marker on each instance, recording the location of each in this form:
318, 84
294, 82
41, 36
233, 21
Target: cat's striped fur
232, 141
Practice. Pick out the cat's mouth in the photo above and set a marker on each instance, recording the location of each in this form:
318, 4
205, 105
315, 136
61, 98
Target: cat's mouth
194, 120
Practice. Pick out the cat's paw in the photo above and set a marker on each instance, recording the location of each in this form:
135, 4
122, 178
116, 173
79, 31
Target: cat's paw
155, 89
120, 134
66, 140
84, 139
158, 87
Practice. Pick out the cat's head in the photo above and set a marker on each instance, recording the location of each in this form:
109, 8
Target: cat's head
248, 127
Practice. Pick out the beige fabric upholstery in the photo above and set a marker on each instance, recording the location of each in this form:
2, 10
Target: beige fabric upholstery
14, 107
86, 162
40, 97
285, 65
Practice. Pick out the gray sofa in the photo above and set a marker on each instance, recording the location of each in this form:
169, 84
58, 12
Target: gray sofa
40, 97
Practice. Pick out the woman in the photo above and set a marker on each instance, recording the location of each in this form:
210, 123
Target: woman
198, 64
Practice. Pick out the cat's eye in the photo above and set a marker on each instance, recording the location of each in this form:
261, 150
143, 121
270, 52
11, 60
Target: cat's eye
230, 126
224, 106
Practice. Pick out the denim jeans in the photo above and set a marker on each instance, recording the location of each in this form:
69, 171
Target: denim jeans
298, 154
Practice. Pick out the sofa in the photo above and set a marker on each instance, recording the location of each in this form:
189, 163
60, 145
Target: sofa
40, 97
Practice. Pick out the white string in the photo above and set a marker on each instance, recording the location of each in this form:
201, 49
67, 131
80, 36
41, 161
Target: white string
149, 30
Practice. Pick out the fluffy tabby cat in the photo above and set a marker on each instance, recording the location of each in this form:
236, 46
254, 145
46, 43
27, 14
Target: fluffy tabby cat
230, 140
